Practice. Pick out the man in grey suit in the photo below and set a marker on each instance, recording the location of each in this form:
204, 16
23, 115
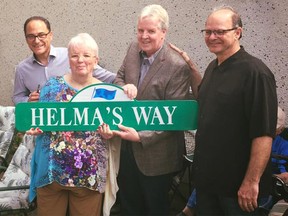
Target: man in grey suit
150, 159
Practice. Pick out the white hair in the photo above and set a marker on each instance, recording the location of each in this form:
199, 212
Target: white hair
158, 12
84, 39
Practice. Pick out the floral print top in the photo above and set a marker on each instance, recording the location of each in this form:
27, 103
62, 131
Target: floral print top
71, 158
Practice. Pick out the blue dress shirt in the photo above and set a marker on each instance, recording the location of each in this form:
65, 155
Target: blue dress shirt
30, 73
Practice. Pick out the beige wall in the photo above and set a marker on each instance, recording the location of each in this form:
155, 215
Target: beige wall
112, 24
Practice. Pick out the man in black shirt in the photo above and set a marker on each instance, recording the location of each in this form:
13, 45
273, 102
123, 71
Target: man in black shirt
236, 122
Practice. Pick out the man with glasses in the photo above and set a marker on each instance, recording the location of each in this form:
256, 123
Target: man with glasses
236, 122
47, 61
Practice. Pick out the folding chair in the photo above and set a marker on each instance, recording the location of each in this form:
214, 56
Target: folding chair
279, 192
7, 128
14, 184
186, 170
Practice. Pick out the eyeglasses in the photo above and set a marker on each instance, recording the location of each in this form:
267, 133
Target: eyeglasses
219, 32
85, 57
40, 36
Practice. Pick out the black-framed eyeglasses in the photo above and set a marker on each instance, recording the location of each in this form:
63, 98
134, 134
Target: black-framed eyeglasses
40, 36
218, 32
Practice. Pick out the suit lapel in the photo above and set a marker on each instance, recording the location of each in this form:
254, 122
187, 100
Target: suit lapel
135, 64
154, 68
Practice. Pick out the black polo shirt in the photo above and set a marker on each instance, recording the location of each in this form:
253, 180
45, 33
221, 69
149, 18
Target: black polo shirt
237, 102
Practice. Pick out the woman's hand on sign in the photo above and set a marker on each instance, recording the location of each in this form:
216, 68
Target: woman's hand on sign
127, 133
34, 132
130, 90
104, 131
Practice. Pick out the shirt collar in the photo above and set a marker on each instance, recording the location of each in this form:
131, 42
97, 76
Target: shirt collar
53, 54
236, 55
152, 57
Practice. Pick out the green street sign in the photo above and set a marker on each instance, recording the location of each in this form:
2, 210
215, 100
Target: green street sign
107, 103
82, 116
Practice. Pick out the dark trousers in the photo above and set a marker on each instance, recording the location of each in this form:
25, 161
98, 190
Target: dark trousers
209, 204
140, 194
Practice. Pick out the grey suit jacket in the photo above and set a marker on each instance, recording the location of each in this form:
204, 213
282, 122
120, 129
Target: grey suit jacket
168, 78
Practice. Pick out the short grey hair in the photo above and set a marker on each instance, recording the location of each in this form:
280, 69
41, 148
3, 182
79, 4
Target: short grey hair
236, 18
86, 39
156, 11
